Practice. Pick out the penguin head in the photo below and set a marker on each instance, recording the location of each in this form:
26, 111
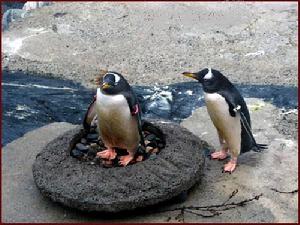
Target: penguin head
210, 79
113, 83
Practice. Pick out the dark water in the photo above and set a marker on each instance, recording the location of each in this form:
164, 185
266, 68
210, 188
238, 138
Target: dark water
29, 102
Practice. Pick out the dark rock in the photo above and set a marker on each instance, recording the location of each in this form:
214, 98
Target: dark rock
83, 141
174, 170
150, 137
96, 160
108, 163
152, 156
92, 137
93, 130
77, 153
152, 144
59, 14
81, 147
92, 152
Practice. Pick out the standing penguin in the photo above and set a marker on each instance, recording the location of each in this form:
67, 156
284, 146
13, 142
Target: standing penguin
119, 117
229, 114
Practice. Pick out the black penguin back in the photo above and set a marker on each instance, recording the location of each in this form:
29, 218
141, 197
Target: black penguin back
246, 141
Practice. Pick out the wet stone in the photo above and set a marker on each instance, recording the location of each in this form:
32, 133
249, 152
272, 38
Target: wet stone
160, 177
152, 144
81, 147
150, 137
92, 137
83, 141
92, 152
93, 130
77, 153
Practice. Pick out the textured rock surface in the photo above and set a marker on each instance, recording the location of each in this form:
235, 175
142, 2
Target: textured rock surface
156, 41
92, 188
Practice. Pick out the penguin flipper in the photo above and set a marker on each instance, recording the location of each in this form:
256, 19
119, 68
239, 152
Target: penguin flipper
135, 110
89, 115
237, 105
137, 113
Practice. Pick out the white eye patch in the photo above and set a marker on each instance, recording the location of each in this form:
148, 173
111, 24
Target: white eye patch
116, 76
209, 75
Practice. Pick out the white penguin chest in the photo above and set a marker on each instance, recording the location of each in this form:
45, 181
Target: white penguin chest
218, 110
112, 106
216, 103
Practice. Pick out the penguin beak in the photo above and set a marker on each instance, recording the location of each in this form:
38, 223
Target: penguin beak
191, 75
105, 86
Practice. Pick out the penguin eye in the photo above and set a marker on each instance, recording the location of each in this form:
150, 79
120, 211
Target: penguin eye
112, 78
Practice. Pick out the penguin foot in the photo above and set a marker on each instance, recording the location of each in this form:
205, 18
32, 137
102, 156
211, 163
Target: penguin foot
220, 155
109, 154
230, 166
124, 160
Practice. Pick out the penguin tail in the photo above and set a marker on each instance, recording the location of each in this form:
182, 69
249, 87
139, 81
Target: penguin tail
259, 147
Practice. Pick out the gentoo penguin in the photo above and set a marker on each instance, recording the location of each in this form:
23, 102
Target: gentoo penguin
119, 117
229, 114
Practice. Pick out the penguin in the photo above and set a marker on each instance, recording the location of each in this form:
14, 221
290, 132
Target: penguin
119, 117
229, 114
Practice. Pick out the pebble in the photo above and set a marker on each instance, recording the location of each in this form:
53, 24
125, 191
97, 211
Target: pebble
81, 147
92, 152
90, 145
152, 144
152, 156
94, 145
76, 153
83, 141
149, 148
93, 130
107, 163
155, 150
150, 137
139, 158
92, 137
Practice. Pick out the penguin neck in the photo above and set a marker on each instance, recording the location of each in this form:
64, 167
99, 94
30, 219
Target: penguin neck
210, 89
105, 98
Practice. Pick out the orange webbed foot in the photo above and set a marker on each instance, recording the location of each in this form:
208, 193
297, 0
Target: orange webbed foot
109, 154
220, 155
230, 166
125, 160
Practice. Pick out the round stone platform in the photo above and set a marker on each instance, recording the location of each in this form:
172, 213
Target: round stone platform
87, 187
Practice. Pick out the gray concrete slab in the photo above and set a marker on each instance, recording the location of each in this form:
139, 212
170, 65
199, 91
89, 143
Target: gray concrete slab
276, 167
